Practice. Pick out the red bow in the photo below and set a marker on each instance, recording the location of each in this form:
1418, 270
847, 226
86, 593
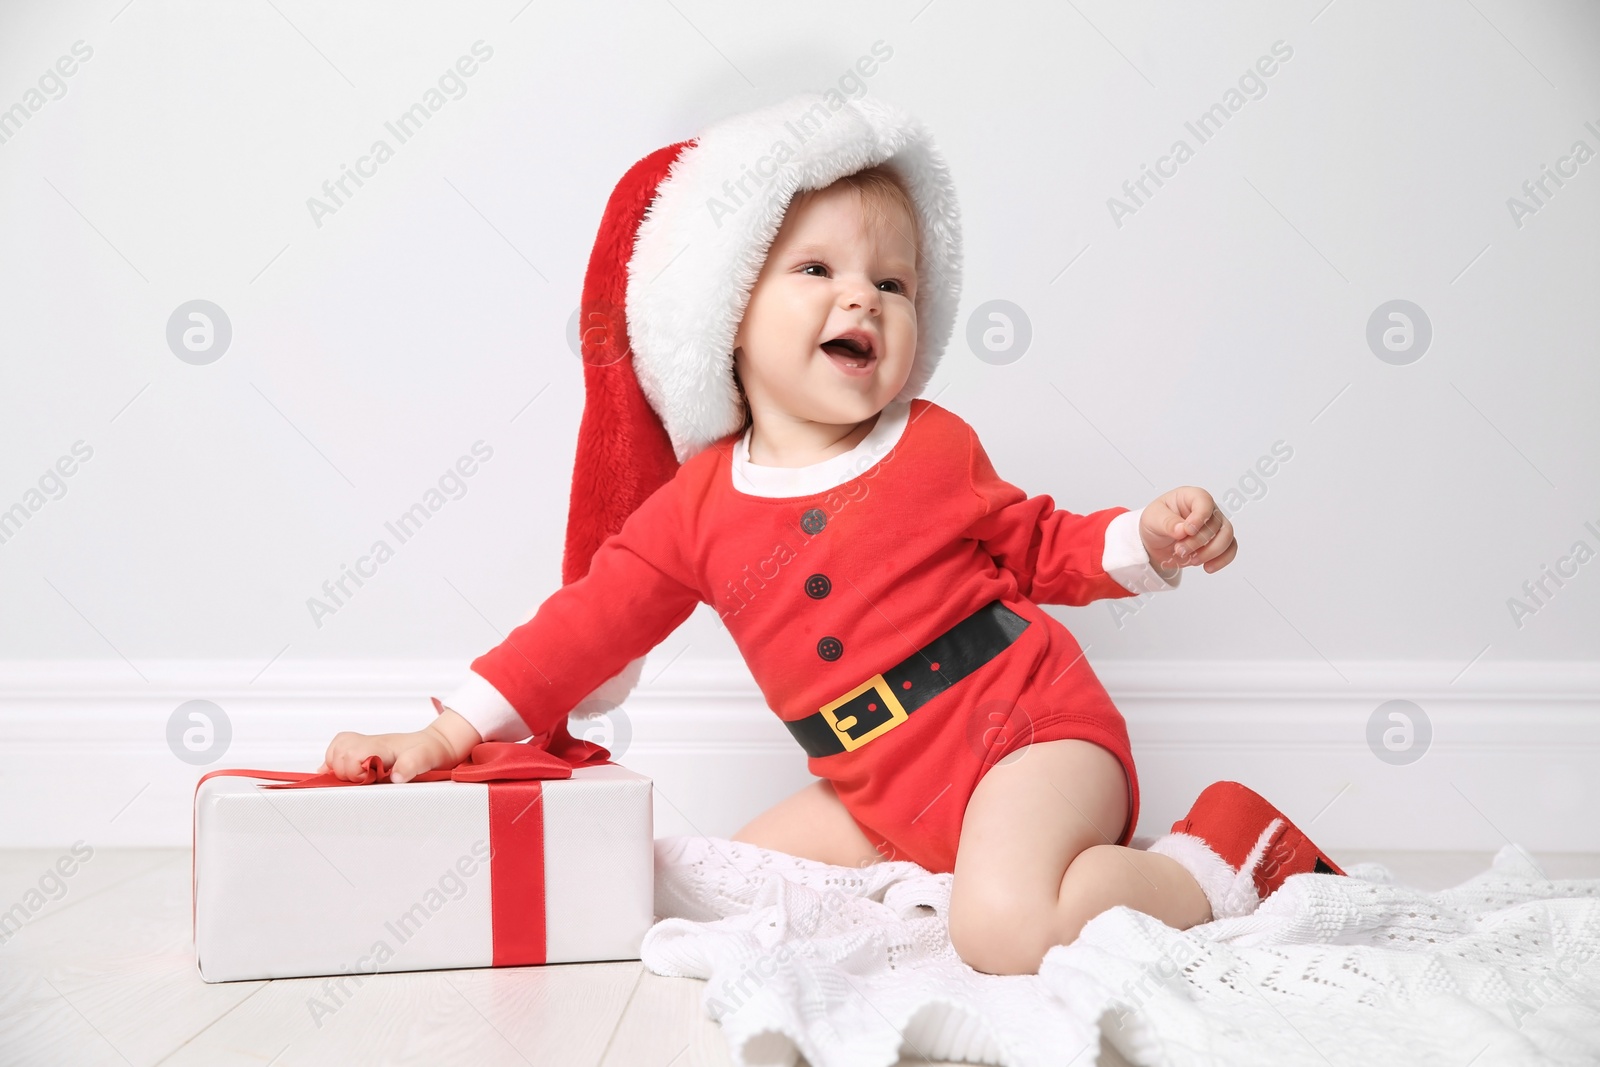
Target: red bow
489, 761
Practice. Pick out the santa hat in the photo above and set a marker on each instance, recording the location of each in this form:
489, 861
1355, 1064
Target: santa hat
681, 243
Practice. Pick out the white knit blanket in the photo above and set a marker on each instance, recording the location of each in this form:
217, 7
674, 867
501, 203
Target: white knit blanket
854, 968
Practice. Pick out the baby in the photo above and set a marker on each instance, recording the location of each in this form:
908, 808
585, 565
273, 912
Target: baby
893, 621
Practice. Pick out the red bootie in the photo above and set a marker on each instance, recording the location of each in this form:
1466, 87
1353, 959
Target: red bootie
1239, 848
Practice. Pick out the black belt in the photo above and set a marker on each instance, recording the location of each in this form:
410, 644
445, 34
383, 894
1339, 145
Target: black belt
883, 701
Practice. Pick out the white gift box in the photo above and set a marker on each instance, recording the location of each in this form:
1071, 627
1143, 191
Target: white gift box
359, 879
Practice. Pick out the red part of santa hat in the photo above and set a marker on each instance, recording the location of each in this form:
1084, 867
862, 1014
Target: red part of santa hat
1239, 848
623, 453
684, 236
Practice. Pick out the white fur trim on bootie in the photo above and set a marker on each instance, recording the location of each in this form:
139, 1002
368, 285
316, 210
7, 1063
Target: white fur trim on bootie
1230, 893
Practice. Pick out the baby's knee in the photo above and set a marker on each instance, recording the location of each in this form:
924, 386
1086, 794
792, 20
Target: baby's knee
1000, 934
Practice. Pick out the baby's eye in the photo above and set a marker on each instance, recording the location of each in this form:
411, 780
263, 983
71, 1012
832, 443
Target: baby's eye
899, 286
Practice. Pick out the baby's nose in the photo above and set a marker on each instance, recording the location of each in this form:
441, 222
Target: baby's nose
862, 296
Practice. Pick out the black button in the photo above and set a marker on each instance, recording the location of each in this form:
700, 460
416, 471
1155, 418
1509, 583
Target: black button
830, 648
813, 521
818, 586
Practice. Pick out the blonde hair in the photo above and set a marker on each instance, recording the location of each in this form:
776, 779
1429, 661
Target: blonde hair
880, 187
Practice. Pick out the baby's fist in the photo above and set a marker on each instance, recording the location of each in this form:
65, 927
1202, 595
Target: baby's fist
444, 743
401, 756
1184, 527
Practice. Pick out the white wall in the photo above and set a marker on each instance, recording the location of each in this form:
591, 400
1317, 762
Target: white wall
1176, 344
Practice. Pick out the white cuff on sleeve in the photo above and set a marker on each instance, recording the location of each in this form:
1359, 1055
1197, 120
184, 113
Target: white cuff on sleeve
491, 714
1127, 561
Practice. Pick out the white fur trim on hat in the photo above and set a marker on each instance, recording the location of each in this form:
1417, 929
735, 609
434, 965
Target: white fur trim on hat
706, 233
1230, 893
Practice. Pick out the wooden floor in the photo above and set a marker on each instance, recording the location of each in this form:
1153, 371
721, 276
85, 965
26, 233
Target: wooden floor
105, 974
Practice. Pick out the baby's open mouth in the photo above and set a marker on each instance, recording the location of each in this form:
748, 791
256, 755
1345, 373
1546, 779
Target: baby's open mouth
853, 350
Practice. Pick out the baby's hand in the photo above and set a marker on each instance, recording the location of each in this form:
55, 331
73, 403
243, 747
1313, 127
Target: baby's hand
1184, 527
444, 743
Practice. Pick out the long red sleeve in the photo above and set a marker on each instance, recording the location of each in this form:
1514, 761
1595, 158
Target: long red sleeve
637, 591
1057, 556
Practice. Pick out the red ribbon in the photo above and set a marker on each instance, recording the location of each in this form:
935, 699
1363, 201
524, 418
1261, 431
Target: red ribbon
489, 761
515, 772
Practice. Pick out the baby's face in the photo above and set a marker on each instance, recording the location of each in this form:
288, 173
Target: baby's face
839, 265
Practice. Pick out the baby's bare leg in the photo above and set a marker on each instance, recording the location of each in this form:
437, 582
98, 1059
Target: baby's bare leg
1103, 876
812, 824
1036, 860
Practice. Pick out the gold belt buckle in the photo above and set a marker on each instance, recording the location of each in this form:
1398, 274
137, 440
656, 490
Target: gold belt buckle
897, 713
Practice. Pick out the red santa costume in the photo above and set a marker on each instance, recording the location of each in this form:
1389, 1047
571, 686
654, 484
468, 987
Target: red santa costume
885, 599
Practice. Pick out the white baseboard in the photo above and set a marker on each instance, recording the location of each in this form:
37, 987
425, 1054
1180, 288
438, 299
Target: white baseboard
1514, 754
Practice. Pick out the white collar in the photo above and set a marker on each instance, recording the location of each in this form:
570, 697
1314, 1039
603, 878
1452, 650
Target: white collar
756, 480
